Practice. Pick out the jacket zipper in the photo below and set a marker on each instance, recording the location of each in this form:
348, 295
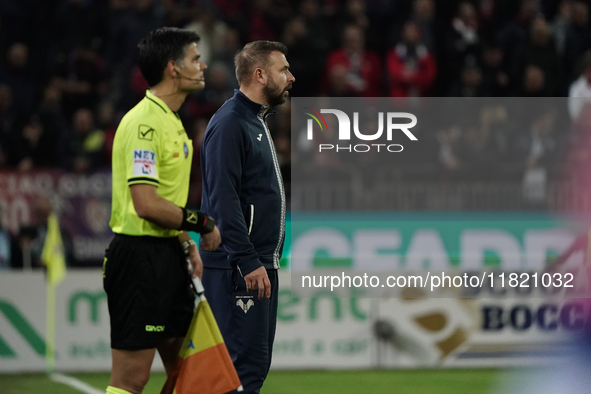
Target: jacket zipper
281, 190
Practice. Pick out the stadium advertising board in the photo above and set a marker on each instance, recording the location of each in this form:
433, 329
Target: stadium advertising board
82, 203
82, 322
426, 241
486, 330
324, 331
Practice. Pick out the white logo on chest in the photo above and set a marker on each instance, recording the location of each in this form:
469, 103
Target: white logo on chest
260, 137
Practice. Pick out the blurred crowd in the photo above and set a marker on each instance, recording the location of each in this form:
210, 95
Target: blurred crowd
68, 69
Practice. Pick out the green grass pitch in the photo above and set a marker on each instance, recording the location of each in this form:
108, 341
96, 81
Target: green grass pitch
297, 382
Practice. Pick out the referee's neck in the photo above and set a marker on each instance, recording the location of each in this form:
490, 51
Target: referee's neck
171, 96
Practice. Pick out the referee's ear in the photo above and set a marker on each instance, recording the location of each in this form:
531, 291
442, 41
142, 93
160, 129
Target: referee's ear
170, 69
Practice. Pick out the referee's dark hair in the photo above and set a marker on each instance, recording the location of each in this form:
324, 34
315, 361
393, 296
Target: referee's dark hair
159, 47
255, 54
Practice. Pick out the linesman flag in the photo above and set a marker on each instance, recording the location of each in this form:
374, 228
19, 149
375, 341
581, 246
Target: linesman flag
205, 364
53, 251
52, 256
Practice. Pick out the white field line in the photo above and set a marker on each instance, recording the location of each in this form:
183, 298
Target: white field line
75, 383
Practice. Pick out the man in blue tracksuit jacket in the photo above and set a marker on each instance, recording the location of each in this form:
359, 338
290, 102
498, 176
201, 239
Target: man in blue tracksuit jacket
243, 191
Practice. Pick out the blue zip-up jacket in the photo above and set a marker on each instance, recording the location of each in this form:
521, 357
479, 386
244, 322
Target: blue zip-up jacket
242, 187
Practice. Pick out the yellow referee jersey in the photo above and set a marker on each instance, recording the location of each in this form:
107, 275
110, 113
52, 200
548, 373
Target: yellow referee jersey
151, 147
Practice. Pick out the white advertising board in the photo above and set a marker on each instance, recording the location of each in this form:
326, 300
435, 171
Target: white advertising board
82, 322
323, 333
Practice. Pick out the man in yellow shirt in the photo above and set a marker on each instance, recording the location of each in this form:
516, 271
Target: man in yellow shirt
145, 267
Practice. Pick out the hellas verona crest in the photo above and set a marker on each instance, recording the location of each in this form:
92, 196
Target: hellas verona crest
245, 305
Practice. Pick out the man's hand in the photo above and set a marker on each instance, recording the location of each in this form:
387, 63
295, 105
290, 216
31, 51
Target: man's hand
258, 279
211, 241
195, 261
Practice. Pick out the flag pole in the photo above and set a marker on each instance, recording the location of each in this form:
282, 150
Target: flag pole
50, 329
199, 289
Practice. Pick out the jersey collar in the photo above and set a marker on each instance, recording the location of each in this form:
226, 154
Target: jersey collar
157, 101
257, 108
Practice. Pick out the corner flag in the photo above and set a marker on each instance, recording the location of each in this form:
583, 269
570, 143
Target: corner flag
53, 252
53, 258
205, 364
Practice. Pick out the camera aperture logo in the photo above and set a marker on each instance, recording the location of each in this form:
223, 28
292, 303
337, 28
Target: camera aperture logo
344, 132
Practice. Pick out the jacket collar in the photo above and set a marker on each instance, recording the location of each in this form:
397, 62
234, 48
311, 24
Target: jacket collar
256, 108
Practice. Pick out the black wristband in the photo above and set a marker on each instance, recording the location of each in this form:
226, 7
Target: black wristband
197, 221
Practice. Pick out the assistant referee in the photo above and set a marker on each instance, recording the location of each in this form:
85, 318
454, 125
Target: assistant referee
145, 268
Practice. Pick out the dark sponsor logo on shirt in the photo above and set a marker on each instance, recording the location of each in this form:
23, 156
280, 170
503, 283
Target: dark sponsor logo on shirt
145, 132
